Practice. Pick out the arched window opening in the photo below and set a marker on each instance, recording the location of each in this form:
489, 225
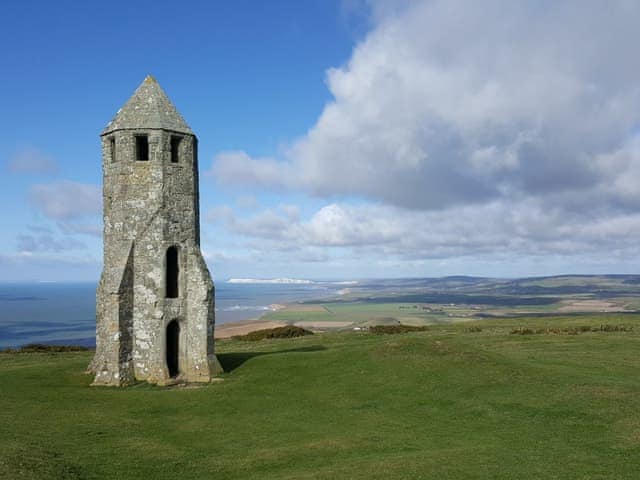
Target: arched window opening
173, 348
173, 273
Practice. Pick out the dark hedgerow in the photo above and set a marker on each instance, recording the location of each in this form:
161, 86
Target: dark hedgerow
612, 328
288, 331
42, 348
522, 331
391, 329
571, 330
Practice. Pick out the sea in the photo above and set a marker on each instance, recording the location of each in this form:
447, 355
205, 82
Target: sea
64, 313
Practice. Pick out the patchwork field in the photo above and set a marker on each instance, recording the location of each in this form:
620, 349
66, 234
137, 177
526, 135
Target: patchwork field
559, 399
463, 299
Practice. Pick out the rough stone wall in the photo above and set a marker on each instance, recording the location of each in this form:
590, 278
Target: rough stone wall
150, 206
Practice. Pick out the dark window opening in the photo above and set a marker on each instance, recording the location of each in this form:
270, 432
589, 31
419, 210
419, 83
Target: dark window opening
175, 149
173, 346
173, 273
142, 147
112, 148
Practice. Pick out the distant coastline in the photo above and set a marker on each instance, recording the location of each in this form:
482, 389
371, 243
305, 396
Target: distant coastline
287, 281
64, 313
270, 281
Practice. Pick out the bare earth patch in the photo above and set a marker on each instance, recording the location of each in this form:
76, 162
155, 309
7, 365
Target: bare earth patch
302, 308
323, 324
228, 330
591, 306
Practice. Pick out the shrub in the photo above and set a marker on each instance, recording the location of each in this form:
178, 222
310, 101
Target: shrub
474, 329
392, 329
288, 331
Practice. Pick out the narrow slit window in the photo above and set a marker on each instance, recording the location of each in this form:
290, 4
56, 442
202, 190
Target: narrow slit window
112, 148
142, 147
173, 273
175, 149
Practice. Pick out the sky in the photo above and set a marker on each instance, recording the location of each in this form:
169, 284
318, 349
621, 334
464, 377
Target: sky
338, 139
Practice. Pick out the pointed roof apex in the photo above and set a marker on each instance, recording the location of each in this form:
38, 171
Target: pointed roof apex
148, 107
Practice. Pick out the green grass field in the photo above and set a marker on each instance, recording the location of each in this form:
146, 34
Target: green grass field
441, 404
363, 313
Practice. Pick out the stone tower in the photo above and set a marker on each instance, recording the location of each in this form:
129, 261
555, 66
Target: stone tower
155, 299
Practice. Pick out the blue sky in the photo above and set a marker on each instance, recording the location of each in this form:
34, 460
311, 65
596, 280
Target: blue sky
338, 139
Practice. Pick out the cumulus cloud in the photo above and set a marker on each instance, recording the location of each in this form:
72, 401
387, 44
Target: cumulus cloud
471, 130
467, 103
528, 229
66, 200
30, 160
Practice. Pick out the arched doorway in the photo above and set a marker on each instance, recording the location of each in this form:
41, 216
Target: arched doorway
173, 347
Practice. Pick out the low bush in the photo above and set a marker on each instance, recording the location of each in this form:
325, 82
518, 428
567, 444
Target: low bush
288, 331
391, 329
474, 329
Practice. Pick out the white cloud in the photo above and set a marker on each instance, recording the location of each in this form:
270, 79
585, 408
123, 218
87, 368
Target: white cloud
218, 213
247, 201
266, 224
528, 229
70, 228
29, 266
466, 103
292, 212
471, 130
32, 160
66, 200
46, 243
240, 168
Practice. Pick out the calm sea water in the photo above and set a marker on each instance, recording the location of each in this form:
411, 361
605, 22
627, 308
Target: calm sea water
65, 312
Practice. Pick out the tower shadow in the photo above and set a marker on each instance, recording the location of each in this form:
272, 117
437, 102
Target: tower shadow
233, 360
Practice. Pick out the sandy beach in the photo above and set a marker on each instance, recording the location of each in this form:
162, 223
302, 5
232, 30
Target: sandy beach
228, 330
242, 327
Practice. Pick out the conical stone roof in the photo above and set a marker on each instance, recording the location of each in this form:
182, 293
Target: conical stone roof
148, 108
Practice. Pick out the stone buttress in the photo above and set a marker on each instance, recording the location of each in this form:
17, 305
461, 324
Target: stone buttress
155, 299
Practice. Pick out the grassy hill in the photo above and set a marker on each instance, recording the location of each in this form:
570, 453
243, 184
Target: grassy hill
448, 403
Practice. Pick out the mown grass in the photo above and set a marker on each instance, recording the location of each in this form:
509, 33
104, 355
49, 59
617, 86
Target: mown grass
443, 404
